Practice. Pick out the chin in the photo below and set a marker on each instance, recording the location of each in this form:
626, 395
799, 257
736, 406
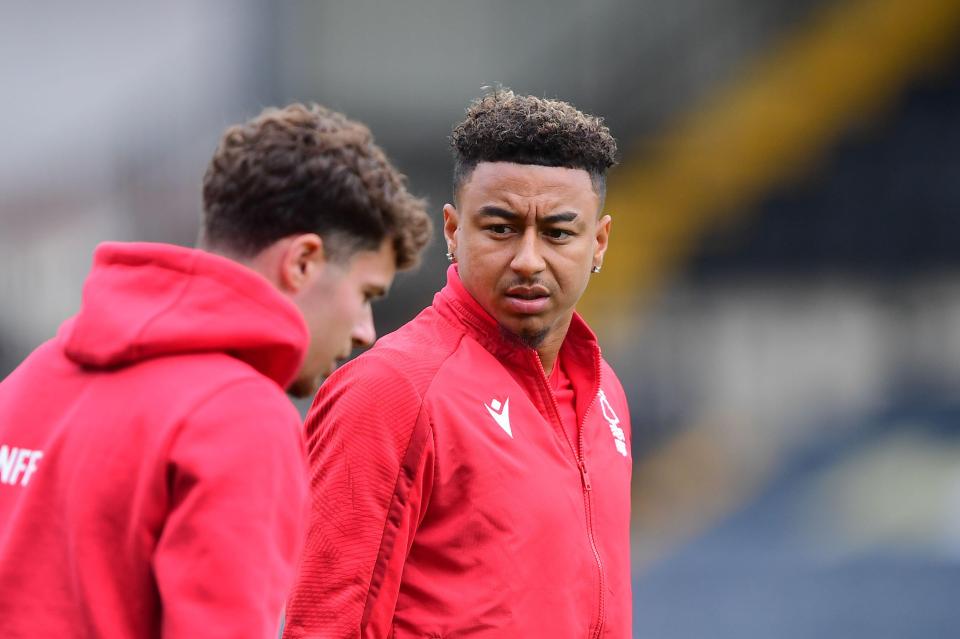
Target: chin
530, 325
533, 339
530, 334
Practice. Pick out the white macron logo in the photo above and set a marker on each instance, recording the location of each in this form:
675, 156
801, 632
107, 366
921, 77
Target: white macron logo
501, 414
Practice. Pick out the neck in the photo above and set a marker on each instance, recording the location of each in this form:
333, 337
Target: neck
549, 348
266, 263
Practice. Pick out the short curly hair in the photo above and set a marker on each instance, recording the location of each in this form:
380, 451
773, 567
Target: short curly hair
308, 169
502, 126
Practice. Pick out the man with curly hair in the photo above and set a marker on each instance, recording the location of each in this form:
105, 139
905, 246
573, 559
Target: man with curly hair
152, 472
471, 473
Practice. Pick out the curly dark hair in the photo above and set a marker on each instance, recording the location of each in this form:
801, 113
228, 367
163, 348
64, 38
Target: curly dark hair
504, 127
308, 169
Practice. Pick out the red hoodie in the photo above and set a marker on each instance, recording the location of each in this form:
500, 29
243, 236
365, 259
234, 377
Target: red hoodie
448, 500
152, 472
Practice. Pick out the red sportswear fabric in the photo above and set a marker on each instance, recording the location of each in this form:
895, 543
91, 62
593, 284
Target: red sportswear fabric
169, 497
430, 519
566, 400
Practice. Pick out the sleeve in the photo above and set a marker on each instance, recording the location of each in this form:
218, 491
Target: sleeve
370, 449
237, 486
622, 406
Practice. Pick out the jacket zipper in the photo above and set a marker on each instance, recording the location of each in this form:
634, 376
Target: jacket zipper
584, 475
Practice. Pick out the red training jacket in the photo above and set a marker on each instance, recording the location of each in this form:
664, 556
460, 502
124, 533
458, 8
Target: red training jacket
152, 470
448, 500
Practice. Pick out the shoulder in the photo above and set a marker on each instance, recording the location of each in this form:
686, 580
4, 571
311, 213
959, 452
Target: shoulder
174, 389
226, 398
408, 358
608, 374
380, 384
244, 430
387, 384
251, 392
611, 385
248, 405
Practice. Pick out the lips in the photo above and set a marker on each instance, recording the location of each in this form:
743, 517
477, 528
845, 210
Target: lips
527, 300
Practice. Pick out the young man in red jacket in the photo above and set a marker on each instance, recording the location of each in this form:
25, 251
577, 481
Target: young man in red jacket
470, 474
152, 471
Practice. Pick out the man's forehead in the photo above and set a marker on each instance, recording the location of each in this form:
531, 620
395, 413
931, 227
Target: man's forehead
508, 182
524, 175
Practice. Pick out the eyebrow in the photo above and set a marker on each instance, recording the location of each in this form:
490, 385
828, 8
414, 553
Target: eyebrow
567, 216
496, 211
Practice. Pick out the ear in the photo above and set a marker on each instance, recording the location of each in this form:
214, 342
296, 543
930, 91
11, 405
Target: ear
302, 261
603, 239
451, 224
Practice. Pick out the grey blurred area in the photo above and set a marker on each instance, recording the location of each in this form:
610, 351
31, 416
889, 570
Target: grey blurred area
791, 348
111, 112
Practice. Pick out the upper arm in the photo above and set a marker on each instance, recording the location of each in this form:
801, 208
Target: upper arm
370, 451
237, 486
619, 399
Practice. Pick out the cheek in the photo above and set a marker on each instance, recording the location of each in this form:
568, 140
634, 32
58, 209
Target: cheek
573, 274
352, 309
344, 308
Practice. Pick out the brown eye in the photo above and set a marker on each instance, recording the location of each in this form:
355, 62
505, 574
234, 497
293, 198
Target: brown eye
558, 234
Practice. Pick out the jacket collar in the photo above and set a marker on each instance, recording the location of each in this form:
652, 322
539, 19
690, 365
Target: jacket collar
580, 351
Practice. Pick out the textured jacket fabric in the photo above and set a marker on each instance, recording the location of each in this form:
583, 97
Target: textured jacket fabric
449, 502
152, 470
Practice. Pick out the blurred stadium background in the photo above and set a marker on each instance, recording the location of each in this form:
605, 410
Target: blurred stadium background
782, 298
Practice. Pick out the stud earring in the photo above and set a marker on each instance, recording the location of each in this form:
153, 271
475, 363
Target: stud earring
595, 269
451, 257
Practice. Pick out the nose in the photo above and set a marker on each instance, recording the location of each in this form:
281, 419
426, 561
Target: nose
528, 262
364, 333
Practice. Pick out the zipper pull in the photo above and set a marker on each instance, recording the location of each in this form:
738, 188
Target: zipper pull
586, 477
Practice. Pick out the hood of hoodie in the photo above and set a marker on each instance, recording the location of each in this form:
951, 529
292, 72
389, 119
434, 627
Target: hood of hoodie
145, 300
